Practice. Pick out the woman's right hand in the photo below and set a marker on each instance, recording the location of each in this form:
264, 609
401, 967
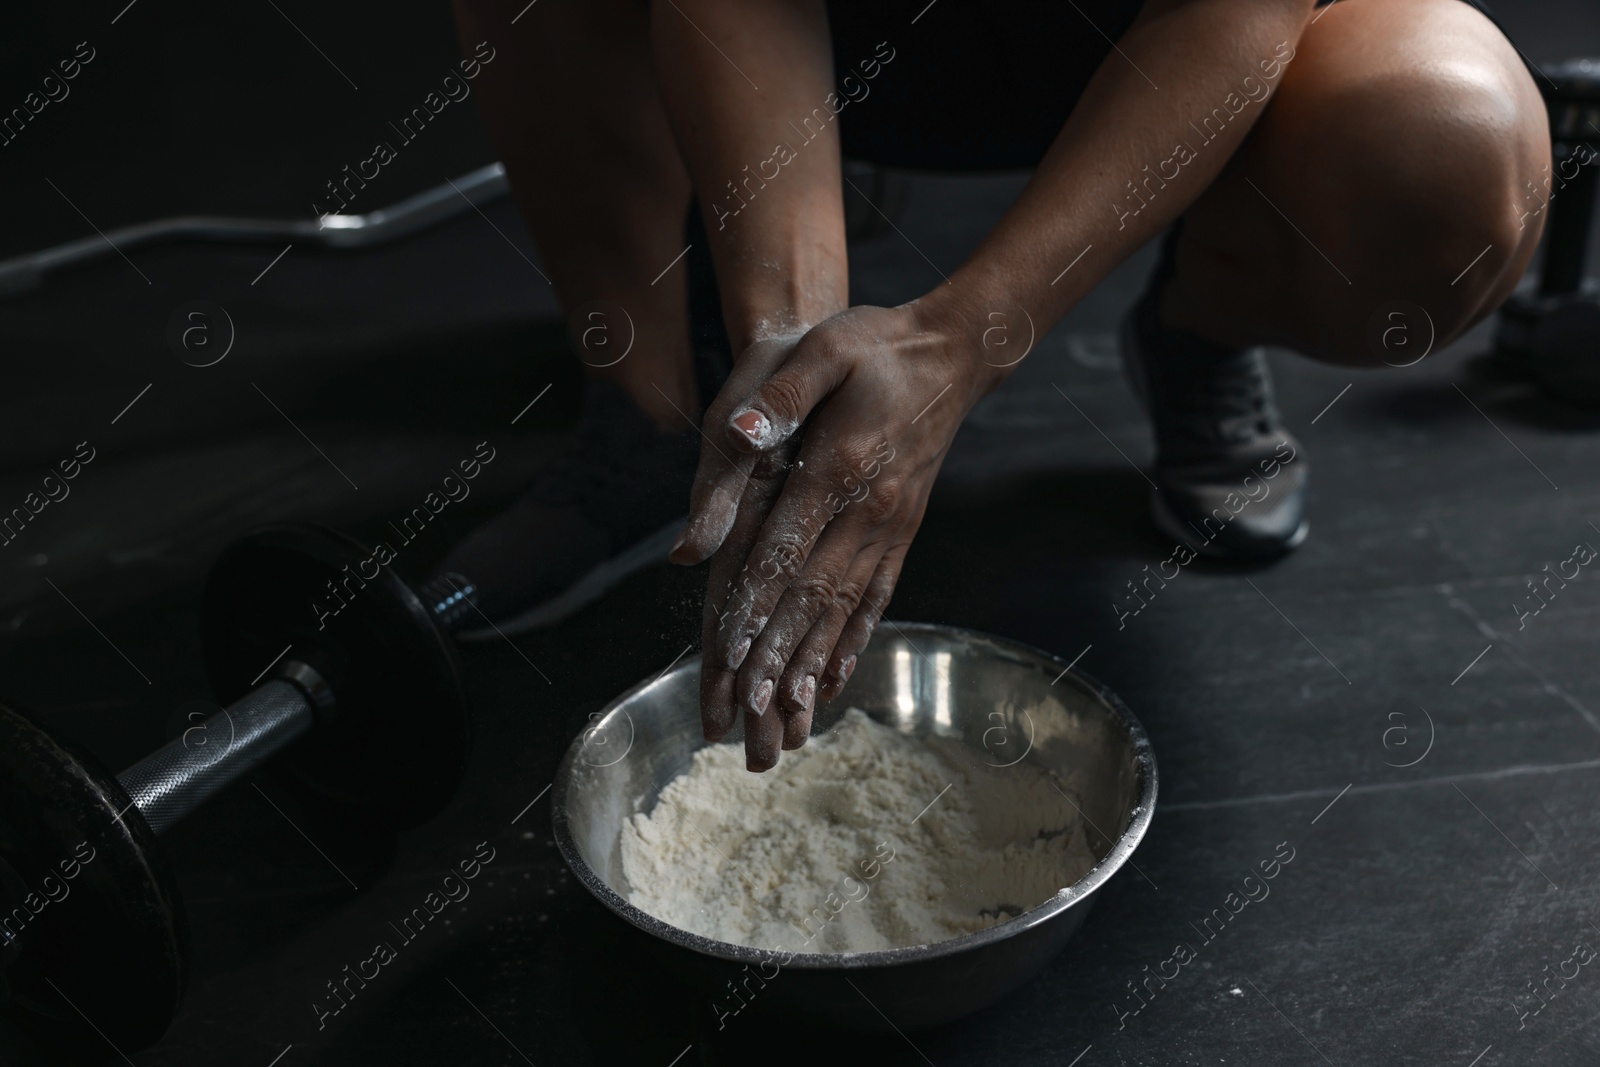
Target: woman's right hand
734, 491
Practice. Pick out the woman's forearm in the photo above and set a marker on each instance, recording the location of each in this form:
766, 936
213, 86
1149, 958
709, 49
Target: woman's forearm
749, 91
1130, 160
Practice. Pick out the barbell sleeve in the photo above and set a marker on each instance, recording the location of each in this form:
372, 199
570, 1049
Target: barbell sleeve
451, 600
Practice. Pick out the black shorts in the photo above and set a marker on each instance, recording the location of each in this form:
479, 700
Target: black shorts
968, 86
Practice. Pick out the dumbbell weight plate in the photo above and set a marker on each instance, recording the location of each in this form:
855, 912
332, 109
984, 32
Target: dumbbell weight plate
394, 748
1565, 339
113, 941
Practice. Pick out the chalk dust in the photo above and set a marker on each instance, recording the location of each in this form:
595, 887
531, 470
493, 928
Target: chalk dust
864, 839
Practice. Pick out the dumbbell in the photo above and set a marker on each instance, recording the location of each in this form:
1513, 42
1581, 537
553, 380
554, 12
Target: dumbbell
1553, 332
328, 664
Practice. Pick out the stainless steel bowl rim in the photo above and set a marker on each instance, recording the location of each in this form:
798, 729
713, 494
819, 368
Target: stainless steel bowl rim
1071, 896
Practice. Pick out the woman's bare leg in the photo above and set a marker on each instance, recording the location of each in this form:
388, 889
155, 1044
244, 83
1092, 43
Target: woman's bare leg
1394, 155
572, 105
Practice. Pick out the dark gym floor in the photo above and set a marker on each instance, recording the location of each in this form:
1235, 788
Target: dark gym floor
1421, 902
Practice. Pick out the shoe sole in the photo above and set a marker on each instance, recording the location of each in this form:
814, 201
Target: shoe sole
586, 590
1172, 526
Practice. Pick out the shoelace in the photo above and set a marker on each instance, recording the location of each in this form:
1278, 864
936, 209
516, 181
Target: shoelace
1228, 402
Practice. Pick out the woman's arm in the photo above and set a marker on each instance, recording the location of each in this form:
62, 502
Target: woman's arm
749, 91
748, 86
1161, 117
1155, 126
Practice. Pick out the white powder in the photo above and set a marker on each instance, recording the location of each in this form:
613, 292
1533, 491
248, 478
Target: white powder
832, 851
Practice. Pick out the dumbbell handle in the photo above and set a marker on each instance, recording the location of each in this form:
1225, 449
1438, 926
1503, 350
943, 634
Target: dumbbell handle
185, 772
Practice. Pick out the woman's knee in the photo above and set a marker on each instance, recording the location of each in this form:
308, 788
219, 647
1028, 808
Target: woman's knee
1408, 178
1443, 215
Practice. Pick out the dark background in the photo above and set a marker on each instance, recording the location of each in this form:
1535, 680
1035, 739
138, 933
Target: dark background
1400, 933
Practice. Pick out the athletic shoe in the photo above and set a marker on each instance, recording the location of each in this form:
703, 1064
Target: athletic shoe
1230, 481
611, 504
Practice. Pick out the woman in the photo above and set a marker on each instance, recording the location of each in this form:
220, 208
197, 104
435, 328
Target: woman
1321, 173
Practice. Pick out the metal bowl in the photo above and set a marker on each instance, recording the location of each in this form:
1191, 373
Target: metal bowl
1009, 702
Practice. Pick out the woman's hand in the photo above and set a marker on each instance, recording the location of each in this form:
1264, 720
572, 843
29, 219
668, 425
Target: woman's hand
809, 541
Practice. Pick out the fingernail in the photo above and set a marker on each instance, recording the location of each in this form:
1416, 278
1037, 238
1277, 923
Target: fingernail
761, 697
737, 653
847, 668
753, 425
808, 691
683, 535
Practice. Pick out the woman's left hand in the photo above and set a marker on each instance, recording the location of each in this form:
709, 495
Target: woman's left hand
878, 394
